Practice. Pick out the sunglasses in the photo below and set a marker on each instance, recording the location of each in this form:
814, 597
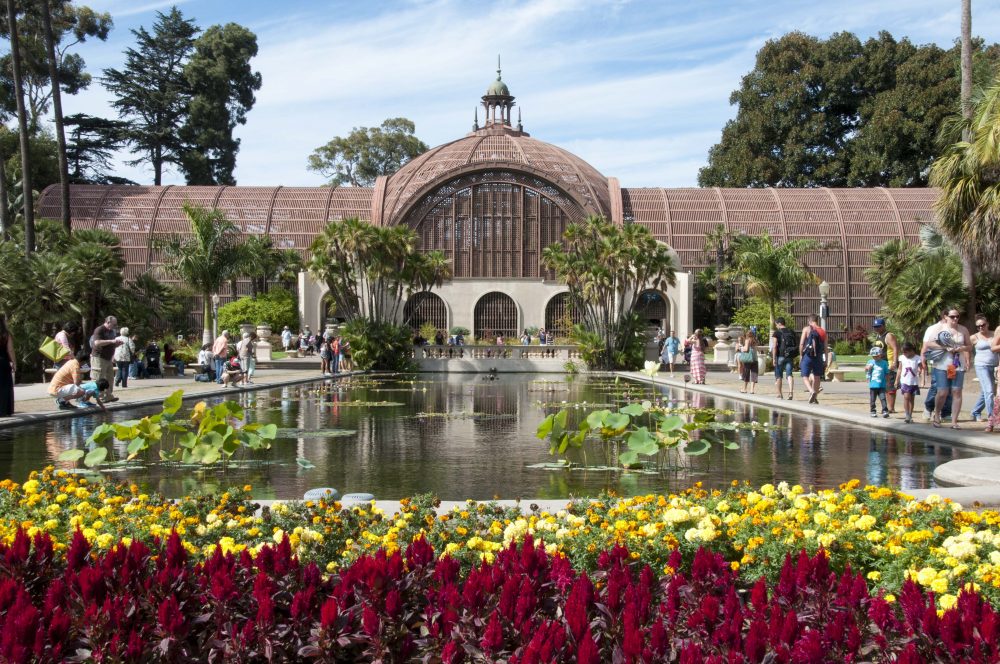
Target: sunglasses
953, 316
980, 324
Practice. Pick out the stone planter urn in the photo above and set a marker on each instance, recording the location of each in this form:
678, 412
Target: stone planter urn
722, 332
263, 343
330, 330
246, 328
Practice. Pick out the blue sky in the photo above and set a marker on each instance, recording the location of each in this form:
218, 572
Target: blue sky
640, 89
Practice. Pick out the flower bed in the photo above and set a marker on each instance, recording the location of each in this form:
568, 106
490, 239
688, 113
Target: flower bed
131, 603
880, 533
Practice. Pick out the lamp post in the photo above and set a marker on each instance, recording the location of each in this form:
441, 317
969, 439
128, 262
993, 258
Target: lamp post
215, 315
824, 308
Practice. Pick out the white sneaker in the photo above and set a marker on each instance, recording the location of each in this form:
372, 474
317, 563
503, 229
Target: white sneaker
927, 415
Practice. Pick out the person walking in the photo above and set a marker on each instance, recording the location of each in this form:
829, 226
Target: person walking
950, 347
243, 350
220, 352
698, 343
985, 364
748, 362
784, 349
671, 347
124, 353
812, 348
8, 367
324, 359
911, 368
286, 339
890, 350
877, 371
930, 358
104, 341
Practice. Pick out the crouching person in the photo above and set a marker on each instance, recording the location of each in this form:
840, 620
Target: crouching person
65, 384
232, 372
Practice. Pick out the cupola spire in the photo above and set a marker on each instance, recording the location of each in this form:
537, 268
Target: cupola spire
498, 102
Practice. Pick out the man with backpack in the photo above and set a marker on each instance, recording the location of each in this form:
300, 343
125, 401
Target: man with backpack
812, 346
784, 350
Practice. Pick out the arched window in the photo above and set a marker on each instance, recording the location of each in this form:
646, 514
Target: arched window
652, 307
425, 307
493, 224
561, 315
495, 315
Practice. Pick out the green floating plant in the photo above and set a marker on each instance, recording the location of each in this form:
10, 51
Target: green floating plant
206, 435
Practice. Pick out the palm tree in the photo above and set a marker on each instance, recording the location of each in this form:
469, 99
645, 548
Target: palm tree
717, 242
22, 123
206, 259
771, 271
888, 260
968, 175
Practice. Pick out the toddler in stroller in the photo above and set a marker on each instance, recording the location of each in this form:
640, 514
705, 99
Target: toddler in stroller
153, 360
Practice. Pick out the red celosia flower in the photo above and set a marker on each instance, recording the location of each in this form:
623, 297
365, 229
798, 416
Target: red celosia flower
171, 618
370, 622
586, 650
493, 636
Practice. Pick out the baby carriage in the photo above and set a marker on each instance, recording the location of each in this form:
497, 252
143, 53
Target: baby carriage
153, 360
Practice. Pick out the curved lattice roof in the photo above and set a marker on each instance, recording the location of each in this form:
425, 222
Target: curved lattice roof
490, 148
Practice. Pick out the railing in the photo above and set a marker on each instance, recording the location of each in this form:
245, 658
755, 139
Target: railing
483, 352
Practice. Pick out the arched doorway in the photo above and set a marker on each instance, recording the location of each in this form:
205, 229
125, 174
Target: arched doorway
654, 310
561, 315
426, 307
495, 315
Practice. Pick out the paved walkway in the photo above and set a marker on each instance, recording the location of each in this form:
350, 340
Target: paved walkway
33, 403
976, 480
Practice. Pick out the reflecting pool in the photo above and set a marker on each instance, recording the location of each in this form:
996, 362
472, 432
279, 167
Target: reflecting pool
460, 436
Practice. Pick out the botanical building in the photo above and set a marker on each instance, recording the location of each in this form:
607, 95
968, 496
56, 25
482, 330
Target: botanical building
493, 199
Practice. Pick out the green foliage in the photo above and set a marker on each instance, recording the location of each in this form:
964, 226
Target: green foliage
607, 267
888, 260
640, 429
207, 258
206, 435
379, 345
278, 307
366, 153
265, 263
428, 331
757, 312
91, 143
222, 86
968, 208
369, 270
770, 271
838, 113
458, 329
183, 96
923, 289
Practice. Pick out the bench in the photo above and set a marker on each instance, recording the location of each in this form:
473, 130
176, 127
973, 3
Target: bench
837, 375
169, 371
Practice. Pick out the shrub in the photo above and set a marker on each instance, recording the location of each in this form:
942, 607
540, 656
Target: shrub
756, 312
458, 329
380, 346
278, 307
135, 603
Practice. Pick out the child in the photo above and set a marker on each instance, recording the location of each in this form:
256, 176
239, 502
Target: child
877, 369
232, 372
908, 379
92, 390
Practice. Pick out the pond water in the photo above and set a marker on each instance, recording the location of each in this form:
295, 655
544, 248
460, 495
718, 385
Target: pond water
459, 436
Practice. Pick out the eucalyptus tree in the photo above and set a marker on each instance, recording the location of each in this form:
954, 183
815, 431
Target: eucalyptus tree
207, 258
22, 123
606, 268
771, 271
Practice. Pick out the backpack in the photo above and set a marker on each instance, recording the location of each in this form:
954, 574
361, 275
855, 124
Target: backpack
788, 346
814, 344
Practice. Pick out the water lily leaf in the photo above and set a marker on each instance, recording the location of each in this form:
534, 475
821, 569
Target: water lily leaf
173, 403
306, 433
640, 442
670, 423
628, 458
137, 445
596, 418
268, 431
305, 464
633, 409
102, 433
616, 421
71, 455
95, 457
731, 445
696, 447
557, 465
210, 456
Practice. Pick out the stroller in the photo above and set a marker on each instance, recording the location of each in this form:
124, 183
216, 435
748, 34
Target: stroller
153, 360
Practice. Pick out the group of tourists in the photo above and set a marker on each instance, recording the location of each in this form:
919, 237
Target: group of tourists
230, 365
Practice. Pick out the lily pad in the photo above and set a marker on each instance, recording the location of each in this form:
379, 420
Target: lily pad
314, 433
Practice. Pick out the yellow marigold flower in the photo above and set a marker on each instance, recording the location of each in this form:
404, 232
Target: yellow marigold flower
82, 493
51, 524
767, 489
30, 487
487, 557
874, 575
826, 539
866, 522
735, 565
62, 498
939, 585
926, 575
104, 540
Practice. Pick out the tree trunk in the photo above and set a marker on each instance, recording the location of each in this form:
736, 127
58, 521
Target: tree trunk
50, 49
206, 318
22, 123
968, 265
5, 224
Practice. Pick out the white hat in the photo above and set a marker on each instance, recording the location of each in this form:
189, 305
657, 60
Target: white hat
246, 335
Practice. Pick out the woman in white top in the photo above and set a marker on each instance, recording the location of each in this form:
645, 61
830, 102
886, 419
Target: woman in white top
124, 354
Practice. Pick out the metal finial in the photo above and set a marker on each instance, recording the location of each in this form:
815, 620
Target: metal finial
498, 66
520, 127
475, 122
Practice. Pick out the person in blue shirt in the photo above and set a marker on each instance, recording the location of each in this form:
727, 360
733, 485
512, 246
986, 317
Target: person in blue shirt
671, 347
877, 371
92, 390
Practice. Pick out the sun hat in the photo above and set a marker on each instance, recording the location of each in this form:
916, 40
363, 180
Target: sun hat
875, 351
